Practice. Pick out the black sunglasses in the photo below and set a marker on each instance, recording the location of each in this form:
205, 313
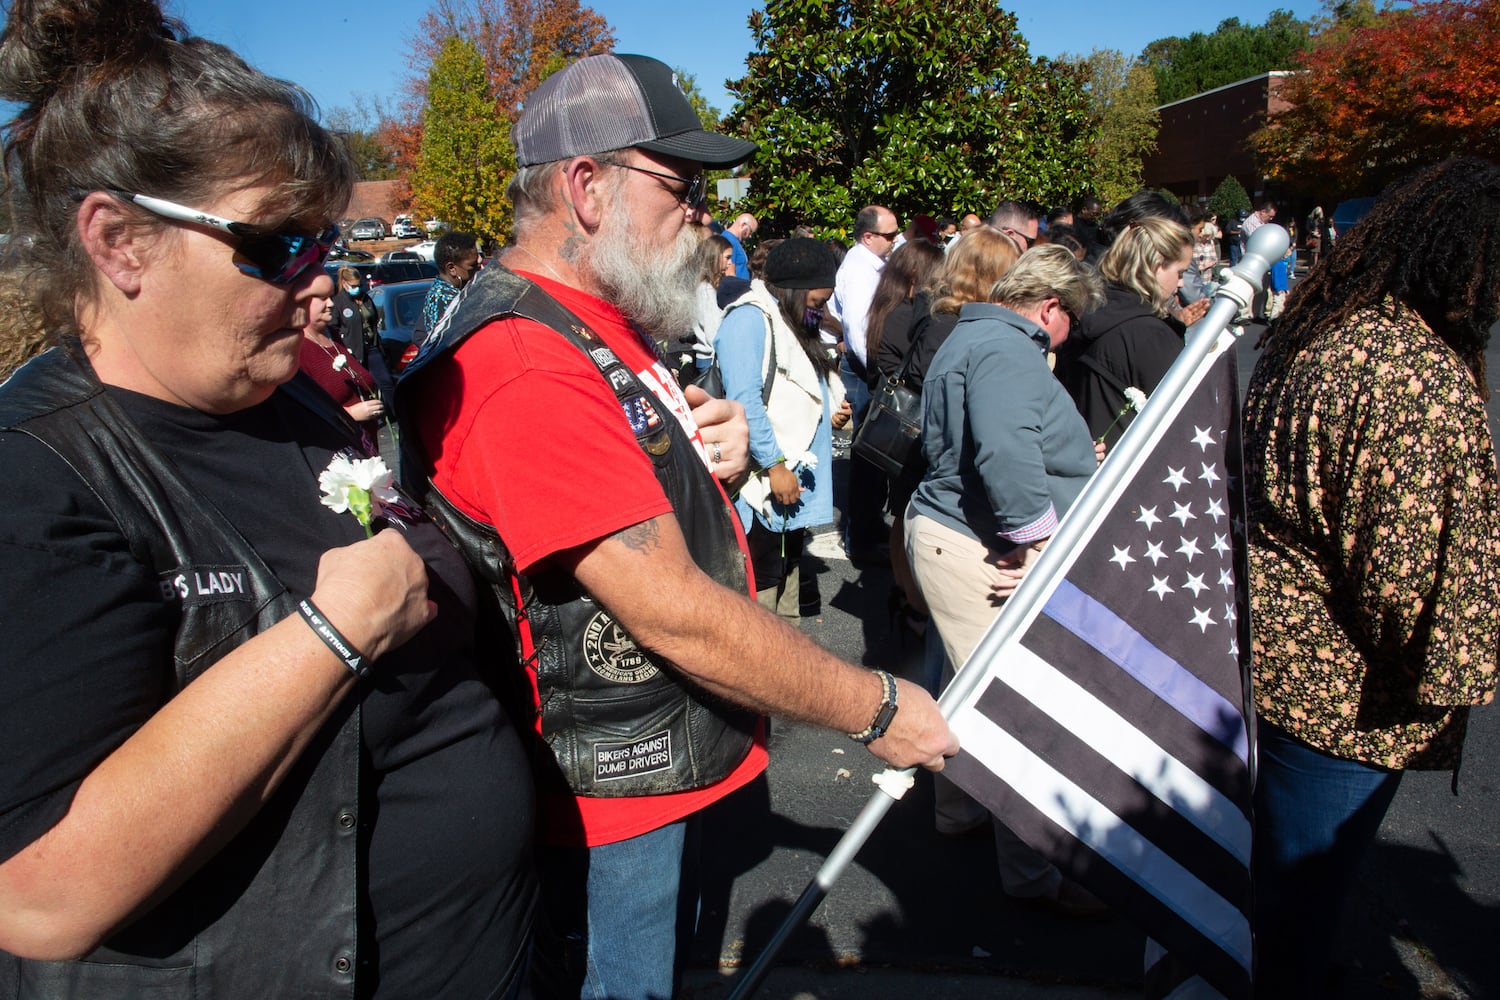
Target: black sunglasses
697, 184
279, 258
1030, 240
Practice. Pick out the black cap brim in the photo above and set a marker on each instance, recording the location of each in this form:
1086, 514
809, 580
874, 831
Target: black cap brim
707, 148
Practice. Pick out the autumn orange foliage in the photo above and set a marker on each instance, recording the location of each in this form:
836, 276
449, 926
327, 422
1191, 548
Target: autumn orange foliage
1372, 104
522, 42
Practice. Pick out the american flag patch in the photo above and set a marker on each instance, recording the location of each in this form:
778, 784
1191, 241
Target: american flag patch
641, 414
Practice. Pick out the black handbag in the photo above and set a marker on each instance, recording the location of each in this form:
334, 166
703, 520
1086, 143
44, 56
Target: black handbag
890, 436
711, 379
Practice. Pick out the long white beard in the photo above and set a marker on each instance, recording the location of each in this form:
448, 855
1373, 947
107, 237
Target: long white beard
654, 286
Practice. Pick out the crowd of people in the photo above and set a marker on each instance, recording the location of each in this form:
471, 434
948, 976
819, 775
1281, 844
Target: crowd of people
468, 721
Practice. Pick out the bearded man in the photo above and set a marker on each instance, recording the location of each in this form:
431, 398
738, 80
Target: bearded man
553, 441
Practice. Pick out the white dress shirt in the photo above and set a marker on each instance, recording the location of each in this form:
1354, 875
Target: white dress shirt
853, 291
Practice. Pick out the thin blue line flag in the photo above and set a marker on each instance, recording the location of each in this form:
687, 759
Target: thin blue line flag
1109, 727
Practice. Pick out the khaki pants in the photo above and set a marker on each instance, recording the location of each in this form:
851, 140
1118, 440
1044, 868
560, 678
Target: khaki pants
956, 573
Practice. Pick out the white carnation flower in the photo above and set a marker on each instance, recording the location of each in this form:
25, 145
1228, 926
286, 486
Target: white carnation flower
360, 486
340, 362
1136, 397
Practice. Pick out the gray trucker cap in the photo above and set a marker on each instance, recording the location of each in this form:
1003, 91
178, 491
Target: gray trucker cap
616, 101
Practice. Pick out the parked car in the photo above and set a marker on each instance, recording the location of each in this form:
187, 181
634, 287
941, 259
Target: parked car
405, 229
368, 229
427, 249
435, 226
392, 271
391, 255
400, 307
344, 252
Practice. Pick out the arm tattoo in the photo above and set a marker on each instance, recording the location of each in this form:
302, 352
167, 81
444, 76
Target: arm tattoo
644, 537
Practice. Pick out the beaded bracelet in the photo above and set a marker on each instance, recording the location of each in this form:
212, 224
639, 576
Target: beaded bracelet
883, 714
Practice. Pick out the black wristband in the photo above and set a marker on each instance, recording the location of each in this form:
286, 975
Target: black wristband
333, 639
883, 714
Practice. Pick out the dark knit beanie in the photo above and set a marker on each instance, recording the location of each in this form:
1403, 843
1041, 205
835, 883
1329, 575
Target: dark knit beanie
801, 263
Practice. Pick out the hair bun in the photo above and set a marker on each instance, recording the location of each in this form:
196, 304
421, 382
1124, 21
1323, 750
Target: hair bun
49, 43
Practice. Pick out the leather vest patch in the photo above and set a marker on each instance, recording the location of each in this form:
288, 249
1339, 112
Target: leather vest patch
611, 653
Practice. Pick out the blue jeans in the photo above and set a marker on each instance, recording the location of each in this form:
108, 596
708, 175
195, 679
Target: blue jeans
608, 927
864, 513
1315, 817
855, 390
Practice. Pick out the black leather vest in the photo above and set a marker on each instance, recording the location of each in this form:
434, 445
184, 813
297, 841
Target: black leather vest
273, 914
619, 720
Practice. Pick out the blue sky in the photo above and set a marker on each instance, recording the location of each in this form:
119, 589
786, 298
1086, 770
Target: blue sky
338, 50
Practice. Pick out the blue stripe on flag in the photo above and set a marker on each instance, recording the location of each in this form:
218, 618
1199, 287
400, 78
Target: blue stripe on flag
1173, 683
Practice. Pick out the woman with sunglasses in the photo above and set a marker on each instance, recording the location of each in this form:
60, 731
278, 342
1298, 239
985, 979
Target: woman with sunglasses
1007, 454
249, 750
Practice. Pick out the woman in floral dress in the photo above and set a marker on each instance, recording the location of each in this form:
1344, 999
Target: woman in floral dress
1374, 520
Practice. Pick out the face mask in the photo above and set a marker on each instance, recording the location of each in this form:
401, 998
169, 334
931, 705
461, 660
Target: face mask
812, 319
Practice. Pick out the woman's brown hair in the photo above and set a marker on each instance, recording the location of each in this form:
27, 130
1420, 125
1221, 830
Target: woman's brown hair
116, 97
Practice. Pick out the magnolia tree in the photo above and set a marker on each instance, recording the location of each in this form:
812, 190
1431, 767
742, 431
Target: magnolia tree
920, 105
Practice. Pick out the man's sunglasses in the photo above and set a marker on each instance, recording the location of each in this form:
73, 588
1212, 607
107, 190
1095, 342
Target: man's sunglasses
697, 184
279, 258
1030, 240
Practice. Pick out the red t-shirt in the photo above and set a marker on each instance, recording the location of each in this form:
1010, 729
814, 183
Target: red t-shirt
525, 435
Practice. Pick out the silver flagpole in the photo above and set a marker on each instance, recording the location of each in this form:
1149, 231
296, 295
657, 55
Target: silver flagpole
1267, 244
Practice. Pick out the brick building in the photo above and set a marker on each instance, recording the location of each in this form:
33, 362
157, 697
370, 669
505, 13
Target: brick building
1205, 138
375, 200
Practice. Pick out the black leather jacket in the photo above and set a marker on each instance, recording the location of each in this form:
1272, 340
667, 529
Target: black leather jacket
273, 913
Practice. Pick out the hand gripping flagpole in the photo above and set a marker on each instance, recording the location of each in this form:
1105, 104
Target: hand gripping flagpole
1267, 244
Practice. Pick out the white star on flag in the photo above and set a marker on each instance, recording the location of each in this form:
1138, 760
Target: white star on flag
1112, 635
